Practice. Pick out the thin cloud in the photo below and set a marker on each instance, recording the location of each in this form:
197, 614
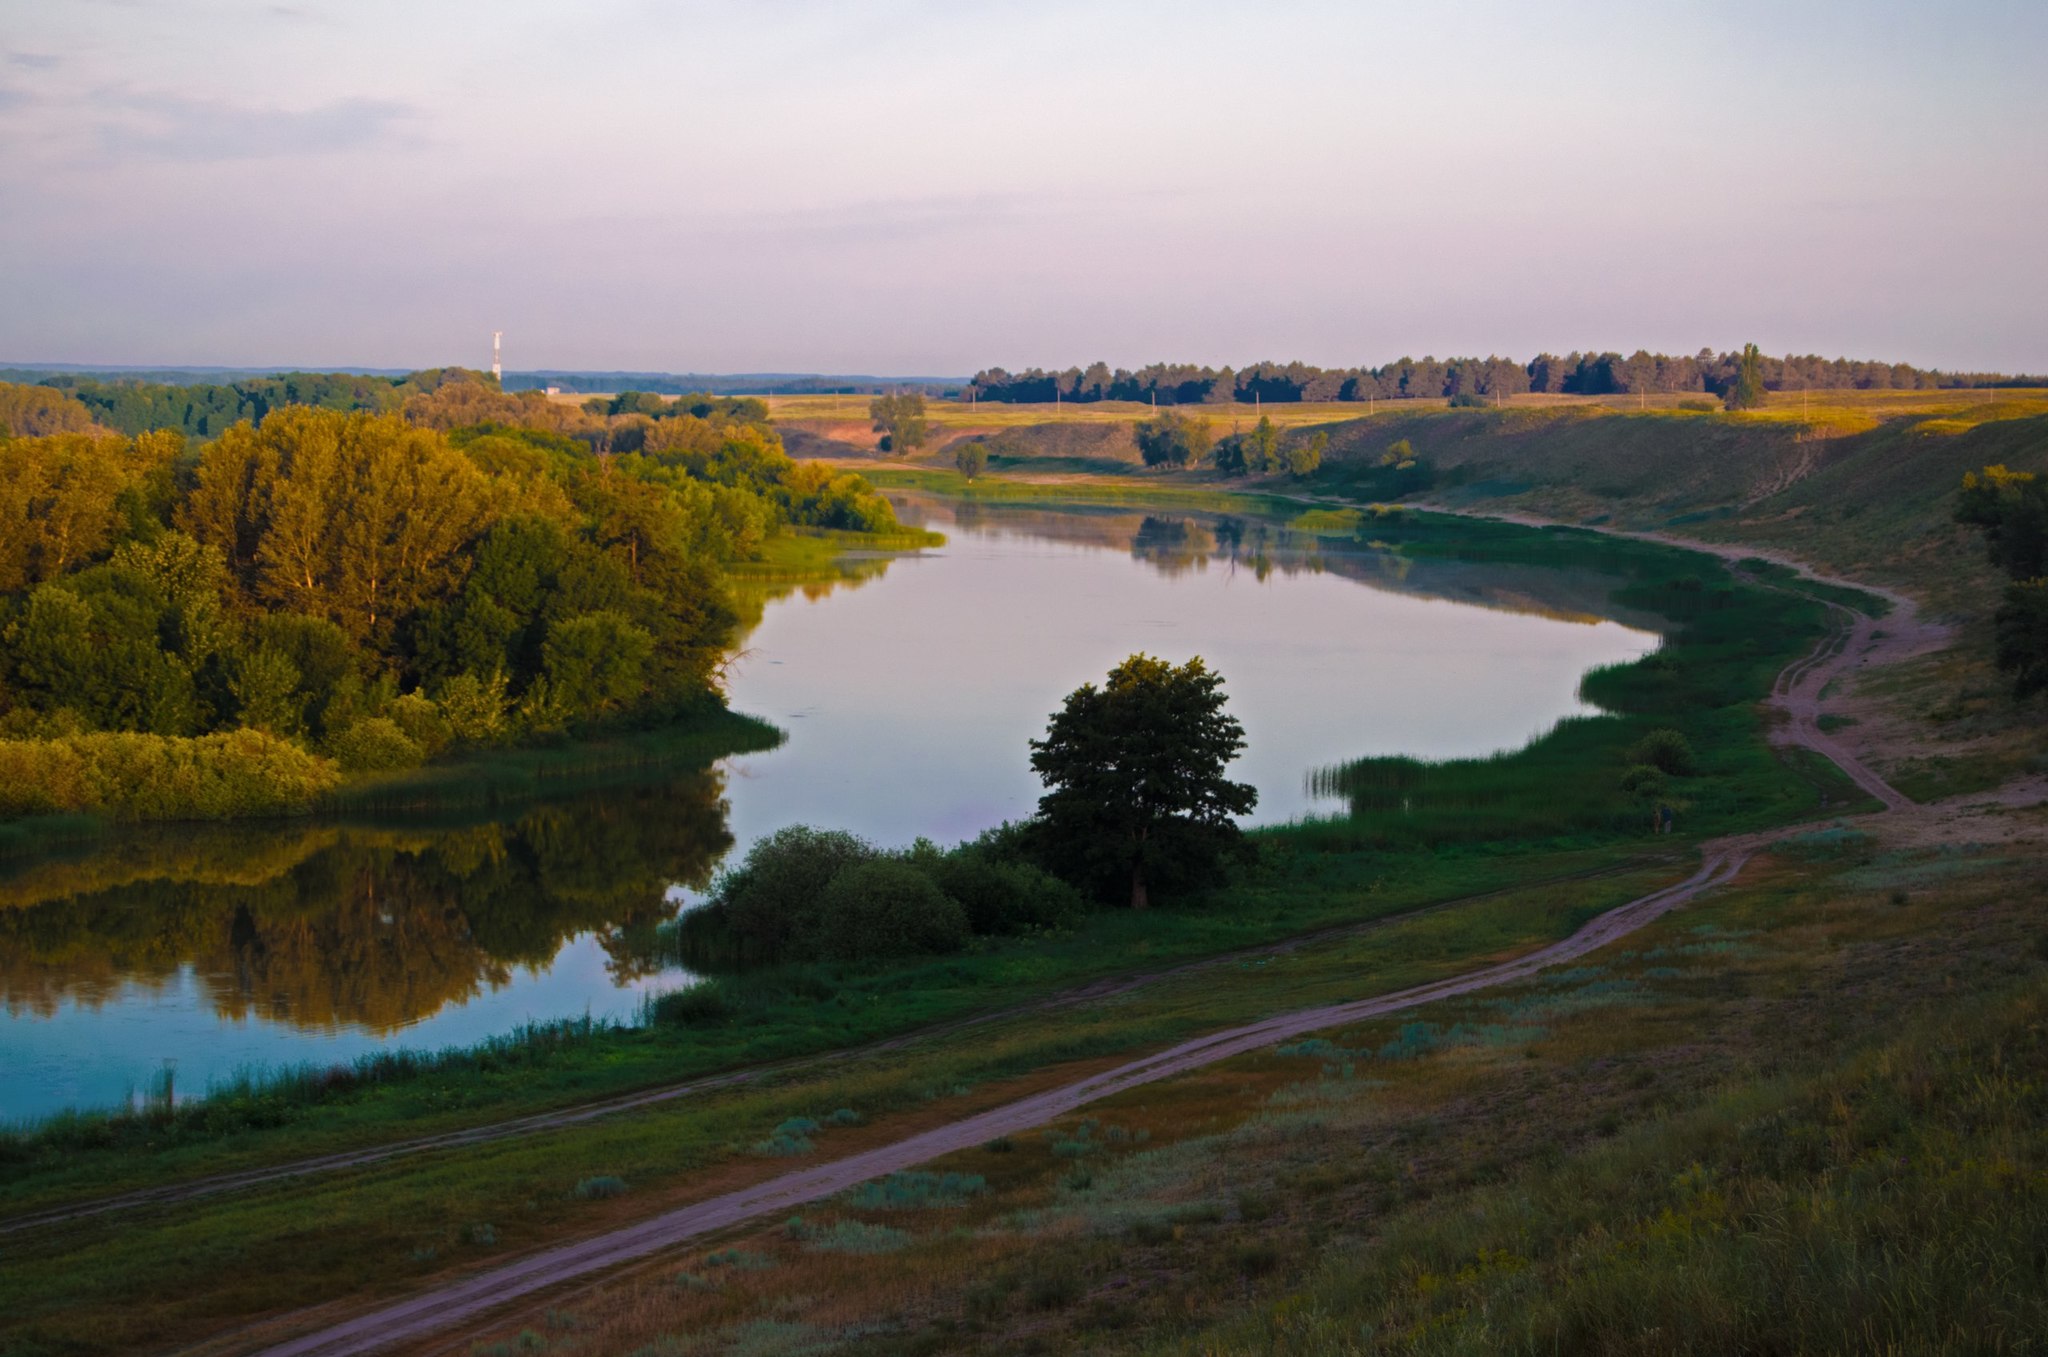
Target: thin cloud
34, 61
170, 127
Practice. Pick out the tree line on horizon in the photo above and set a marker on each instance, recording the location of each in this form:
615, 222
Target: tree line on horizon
1429, 378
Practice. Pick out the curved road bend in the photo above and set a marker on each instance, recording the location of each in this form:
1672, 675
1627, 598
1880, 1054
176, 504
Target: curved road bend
457, 1301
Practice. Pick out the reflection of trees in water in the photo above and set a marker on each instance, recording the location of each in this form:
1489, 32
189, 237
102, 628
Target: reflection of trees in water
374, 927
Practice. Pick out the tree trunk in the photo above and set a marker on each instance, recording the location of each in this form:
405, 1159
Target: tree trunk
1138, 899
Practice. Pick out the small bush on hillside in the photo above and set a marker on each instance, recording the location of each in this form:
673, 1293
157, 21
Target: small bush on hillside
1645, 782
1666, 750
599, 1188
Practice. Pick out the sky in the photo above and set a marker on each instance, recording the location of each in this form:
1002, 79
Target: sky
936, 186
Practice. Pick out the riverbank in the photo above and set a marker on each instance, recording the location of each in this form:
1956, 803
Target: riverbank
1420, 893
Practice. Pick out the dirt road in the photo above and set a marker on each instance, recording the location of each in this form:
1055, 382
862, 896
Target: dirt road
451, 1304
1798, 694
1093, 991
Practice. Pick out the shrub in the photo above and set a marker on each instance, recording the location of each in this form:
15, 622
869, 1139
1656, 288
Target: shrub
887, 908
599, 1188
241, 772
1002, 896
375, 744
771, 899
701, 1003
1645, 782
853, 1236
917, 1191
473, 707
422, 722
1665, 750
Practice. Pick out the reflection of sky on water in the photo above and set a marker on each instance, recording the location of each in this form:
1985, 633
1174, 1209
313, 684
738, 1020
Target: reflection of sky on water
908, 701
97, 1053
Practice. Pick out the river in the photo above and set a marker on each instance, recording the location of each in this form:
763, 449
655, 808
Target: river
908, 690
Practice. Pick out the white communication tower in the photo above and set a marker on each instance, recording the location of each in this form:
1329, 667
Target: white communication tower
497, 355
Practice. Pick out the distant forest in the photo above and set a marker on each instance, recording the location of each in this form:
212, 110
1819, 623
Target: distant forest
1587, 374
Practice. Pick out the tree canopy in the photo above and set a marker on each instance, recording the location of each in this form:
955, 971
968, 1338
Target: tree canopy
1135, 789
374, 586
900, 419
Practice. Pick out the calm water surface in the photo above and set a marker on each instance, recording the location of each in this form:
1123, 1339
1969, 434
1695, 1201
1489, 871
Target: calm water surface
908, 693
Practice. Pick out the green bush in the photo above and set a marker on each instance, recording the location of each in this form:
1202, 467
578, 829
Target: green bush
886, 908
1644, 782
422, 722
1666, 750
1000, 896
375, 744
241, 772
770, 901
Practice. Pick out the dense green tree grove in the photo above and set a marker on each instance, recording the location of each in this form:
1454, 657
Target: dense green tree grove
1431, 378
370, 589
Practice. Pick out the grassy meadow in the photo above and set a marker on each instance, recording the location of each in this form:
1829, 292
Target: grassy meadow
1797, 1116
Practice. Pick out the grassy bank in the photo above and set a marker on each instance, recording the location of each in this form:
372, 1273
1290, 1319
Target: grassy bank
1765, 1123
496, 777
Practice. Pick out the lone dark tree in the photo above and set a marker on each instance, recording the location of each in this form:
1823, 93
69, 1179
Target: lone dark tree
900, 420
1748, 391
1135, 792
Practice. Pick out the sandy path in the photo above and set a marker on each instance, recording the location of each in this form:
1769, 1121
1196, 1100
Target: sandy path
1798, 694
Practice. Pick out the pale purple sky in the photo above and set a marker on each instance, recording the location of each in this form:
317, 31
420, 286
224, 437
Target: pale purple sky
932, 186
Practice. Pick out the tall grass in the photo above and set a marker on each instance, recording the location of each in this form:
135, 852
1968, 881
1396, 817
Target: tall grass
1895, 1203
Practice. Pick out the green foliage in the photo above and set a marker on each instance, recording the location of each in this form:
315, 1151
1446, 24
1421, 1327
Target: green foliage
1747, 393
970, 457
331, 574
1667, 750
1000, 893
131, 776
1172, 439
2012, 509
1135, 791
375, 744
2021, 632
900, 419
595, 661
887, 908
769, 902
1304, 456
